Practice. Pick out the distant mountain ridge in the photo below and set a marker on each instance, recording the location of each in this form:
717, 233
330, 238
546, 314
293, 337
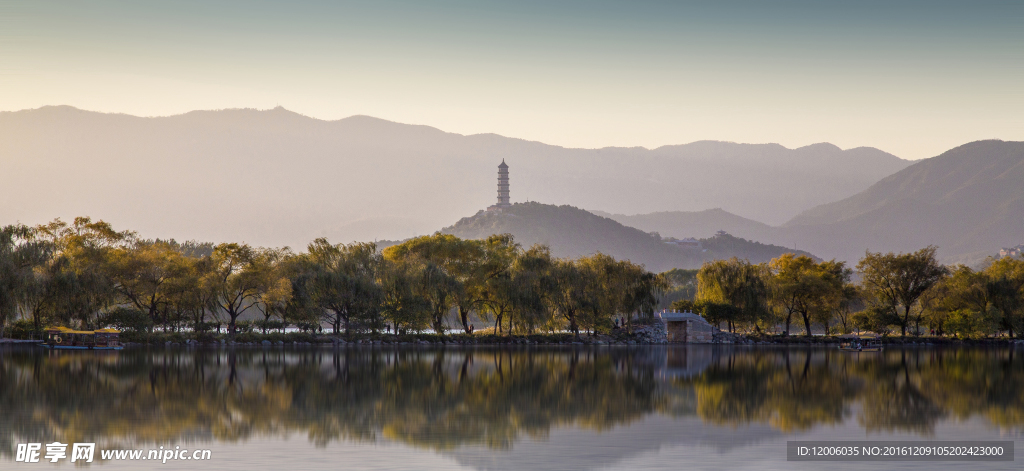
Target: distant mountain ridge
275, 177
699, 224
968, 201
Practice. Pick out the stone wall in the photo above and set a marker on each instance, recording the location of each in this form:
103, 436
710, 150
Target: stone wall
686, 327
676, 331
699, 332
654, 333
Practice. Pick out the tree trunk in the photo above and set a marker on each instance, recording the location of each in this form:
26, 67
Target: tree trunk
438, 324
906, 320
464, 316
807, 324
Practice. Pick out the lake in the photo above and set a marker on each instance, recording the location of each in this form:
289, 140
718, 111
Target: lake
556, 408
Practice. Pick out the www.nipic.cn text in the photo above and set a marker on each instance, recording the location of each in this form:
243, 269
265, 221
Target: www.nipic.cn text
86, 452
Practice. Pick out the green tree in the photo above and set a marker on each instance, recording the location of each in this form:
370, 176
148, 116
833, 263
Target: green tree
400, 303
812, 290
342, 282
447, 265
640, 291
897, 281
235, 280
964, 292
572, 293
467, 266
20, 255
75, 286
522, 294
875, 318
735, 283
142, 274
276, 291
844, 303
682, 286
1005, 290
191, 293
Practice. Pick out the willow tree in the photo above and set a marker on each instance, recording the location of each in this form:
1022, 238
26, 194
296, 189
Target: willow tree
189, 296
1005, 289
739, 286
20, 255
605, 287
572, 291
643, 291
275, 294
520, 294
74, 284
897, 281
342, 282
467, 266
446, 262
958, 303
143, 273
237, 278
400, 302
812, 290
622, 288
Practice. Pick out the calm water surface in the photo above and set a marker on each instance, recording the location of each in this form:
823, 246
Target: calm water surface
699, 407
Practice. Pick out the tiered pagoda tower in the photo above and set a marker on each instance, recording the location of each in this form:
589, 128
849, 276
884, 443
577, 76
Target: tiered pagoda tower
503, 199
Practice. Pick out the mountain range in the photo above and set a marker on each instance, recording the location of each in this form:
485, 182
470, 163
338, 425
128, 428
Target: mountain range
968, 201
698, 224
274, 177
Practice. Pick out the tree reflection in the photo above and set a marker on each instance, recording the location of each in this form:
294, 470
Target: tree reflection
435, 399
792, 390
906, 391
443, 399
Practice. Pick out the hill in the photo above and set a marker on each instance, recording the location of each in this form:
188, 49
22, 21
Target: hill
966, 201
275, 177
699, 224
573, 232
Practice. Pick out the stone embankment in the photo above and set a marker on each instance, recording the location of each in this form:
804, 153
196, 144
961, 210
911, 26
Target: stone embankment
652, 334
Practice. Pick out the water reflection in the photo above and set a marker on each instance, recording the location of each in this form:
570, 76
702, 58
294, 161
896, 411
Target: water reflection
445, 399
905, 391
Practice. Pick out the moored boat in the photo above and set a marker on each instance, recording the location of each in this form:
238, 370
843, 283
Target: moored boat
854, 343
858, 347
63, 338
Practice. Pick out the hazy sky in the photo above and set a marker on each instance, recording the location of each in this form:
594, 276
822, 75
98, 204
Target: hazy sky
910, 77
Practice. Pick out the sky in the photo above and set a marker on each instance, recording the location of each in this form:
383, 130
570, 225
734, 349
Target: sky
913, 78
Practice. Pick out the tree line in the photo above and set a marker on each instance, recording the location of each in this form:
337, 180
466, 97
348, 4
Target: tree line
87, 274
905, 292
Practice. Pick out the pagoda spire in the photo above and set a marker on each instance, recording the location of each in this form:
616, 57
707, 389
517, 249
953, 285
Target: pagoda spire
503, 198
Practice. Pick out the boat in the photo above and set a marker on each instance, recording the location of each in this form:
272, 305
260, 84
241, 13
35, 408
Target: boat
853, 343
860, 347
63, 338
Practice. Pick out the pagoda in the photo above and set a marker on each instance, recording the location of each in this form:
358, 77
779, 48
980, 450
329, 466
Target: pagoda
503, 200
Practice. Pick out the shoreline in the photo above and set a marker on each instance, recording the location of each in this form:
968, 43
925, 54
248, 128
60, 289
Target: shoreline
637, 339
